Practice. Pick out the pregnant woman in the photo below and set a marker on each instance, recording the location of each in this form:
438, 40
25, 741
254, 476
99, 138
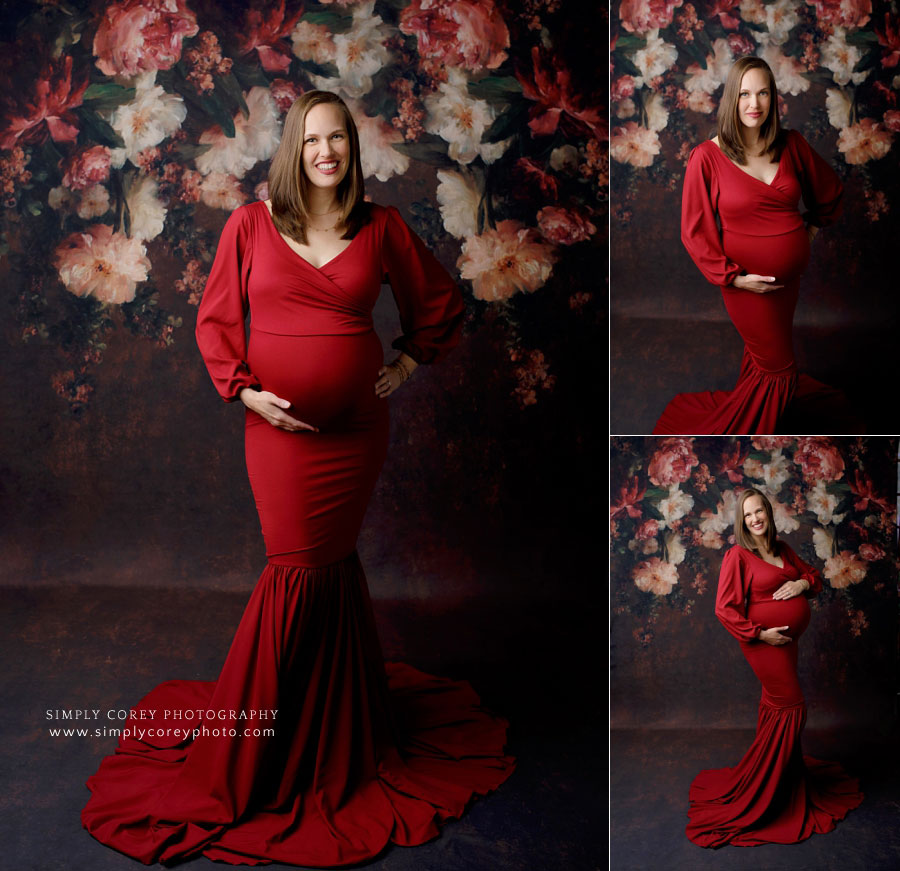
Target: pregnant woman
308, 749
741, 225
775, 794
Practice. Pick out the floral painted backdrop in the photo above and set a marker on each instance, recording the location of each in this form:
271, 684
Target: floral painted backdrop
125, 122
836, 64
671, 521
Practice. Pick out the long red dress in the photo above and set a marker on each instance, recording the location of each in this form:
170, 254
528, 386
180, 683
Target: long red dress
762, 233
359, 752
775, 794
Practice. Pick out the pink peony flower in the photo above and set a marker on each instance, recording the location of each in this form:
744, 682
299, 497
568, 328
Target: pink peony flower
655, 576
265, 30
46, 108
842, 13
564, 227
770, 443
648, 529
219, 190
819, 459
86, 168
137, 36
284, 93
672, 462
844, 569
621, 88
458, 33
102, 264
639, 16
871, 552
503, 261
634, 144
892, 120
864, 141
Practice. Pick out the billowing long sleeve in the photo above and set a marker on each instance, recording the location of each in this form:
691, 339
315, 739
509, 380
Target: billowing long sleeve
806, 571
220, 331
822, 189
428, 299
734, 586
699, 230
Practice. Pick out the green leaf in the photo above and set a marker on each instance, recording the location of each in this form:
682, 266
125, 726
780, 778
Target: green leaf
496, 89
334, 21
656, 493
329, 69
427, 152
868, 60
629, 42
106, 96
249, 75
507, 124
229, 92
34, 208
97, 130
862, 37
696, 53
625, 65
188, 152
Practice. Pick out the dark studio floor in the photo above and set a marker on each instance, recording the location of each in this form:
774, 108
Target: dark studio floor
651, 772
100, 647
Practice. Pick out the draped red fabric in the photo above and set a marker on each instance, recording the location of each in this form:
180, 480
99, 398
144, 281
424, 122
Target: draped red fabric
731, 222
308, 749
775, 794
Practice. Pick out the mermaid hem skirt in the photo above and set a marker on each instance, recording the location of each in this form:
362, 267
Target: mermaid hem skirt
308, 749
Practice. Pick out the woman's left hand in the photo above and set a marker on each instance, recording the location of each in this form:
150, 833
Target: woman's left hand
390, 377
812, 232
789, 589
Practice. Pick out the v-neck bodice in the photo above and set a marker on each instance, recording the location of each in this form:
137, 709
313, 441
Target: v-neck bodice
745, 172
299, 255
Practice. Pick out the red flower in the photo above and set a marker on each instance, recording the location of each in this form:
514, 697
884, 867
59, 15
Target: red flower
50, 102
864, 490
86, 168
639, 16
819, 459
556, 97
532, 173
842, 13
889, 39
629, 500
265, 30
732, 461
722, 9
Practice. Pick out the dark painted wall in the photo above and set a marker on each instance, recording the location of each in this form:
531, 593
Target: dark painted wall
673, 663
120, 464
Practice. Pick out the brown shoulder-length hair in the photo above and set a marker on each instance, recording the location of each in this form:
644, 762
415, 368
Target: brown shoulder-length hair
742, 534
289, 186
771, 135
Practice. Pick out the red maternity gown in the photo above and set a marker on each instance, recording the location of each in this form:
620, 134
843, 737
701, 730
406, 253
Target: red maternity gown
363, 752
775, 794
762, 233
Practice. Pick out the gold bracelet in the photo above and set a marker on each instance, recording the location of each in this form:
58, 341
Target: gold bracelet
405, 372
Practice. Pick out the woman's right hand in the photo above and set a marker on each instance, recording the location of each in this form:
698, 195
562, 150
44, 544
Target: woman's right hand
756, 283
272, 409
774, 637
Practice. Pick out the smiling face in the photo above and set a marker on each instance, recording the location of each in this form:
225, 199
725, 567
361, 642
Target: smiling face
754, 99
756, 520
326, 146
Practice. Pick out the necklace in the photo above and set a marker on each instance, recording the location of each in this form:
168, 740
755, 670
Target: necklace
322, 214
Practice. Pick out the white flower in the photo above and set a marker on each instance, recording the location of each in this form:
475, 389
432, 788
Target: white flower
457, 118
313, 42
717, 66
838, 105
722, 518
753, 12
700, 101
221, 191
153, 115
785, 518
788, 71
657, 115
776, 472
625, 108
564, 158
823, 503
458, 196
60, 198
841, 58
94, 202
675, 548
674, 506
361, 52
823, 541
378, 156
492, 151
781, 18
255, 138
654, 58
147, 213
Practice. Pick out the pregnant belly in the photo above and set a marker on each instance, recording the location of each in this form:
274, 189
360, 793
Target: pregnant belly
784, 256
793, 613
329, 380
